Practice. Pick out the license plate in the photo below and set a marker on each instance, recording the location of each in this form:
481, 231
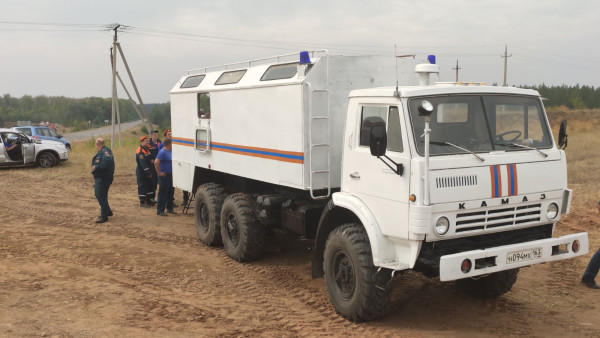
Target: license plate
523, 255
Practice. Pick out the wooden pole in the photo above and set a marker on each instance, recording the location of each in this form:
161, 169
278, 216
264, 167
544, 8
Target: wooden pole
146, 120
114, 87
130, 98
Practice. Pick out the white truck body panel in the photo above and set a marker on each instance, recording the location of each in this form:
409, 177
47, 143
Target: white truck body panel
262, 129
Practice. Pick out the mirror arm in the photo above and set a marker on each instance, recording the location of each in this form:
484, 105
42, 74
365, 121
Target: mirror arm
399, 166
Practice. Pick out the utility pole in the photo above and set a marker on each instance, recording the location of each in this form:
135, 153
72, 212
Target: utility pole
457, 68
115, 104
505, 56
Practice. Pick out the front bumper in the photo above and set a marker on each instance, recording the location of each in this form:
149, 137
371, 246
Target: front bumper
495, 259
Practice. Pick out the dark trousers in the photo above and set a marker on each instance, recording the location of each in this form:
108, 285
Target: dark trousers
144, 186
165, 192
154, 183
592, 269
101, 186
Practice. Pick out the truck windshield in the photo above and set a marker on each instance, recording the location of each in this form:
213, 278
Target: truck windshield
481, 123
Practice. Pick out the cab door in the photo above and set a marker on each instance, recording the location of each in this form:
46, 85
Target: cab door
3, 154
28, 147
384, 191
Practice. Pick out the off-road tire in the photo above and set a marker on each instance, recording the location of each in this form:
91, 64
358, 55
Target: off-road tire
352, 279
47, 160
208, 201
243, 236
488, 287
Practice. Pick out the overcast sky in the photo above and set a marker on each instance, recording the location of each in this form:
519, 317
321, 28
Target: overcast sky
61, 48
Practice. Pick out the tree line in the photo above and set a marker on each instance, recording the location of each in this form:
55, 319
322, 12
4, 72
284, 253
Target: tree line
584, 97
92, 112
78, 114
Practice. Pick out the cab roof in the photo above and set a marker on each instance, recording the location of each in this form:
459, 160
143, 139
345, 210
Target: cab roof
442, 89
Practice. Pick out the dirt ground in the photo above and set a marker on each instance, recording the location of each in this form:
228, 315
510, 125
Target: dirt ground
143, 275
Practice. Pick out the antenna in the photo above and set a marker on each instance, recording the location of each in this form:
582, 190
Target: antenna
396, 58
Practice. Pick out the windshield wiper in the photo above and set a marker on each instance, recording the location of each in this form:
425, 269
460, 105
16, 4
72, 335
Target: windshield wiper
458, 147
521, 146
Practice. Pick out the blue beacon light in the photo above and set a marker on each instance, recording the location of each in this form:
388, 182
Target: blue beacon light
304, 58
431, 59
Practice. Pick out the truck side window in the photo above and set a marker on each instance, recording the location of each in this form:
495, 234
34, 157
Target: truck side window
203, 140
204, 105
394, 132
392, 117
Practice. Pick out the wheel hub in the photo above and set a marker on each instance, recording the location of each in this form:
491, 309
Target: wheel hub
204, 217
233, 229
344, 276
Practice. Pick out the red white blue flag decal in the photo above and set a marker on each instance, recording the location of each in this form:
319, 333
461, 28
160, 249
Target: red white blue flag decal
511, 173
496, 181
512, 186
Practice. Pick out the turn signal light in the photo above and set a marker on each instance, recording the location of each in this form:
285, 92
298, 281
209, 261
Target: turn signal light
575, 246
465, 266
412, 198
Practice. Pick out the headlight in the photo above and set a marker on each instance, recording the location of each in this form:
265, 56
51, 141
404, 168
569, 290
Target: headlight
552, 211
442, 225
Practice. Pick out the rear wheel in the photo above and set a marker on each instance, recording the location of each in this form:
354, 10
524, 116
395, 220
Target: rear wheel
243, 236
356, 289
491, 286
207, 213
47, 160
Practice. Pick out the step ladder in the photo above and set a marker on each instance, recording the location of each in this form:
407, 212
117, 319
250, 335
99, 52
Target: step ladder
188, 203
319, 151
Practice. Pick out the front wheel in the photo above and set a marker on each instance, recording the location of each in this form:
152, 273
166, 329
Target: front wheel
47, 160
357, 291
491, 286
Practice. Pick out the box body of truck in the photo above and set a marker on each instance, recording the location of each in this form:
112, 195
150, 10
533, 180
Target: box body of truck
274, 124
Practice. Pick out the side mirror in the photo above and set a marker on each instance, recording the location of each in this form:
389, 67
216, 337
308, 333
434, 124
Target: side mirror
378, 140
562, 135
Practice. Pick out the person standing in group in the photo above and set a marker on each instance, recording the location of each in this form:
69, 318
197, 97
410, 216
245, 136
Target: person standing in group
166, 135
143, 172
589, 276
164, 168
186, 195
103, 170
154, 146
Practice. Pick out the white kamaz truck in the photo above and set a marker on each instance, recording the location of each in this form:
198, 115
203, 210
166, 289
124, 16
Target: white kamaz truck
382, 170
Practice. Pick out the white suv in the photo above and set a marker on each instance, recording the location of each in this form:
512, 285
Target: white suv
29, 151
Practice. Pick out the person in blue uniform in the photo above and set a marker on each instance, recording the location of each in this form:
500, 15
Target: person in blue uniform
103, 170
154, 145
143, 172
164, 169
589, 276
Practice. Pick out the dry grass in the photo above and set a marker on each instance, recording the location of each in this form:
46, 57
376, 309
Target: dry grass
583, 154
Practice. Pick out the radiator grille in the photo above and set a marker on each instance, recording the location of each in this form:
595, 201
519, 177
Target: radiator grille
456, 181
496, 218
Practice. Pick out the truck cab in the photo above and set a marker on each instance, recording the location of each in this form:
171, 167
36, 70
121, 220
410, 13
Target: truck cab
492, 168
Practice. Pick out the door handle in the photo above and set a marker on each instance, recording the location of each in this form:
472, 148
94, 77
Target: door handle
355, 175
